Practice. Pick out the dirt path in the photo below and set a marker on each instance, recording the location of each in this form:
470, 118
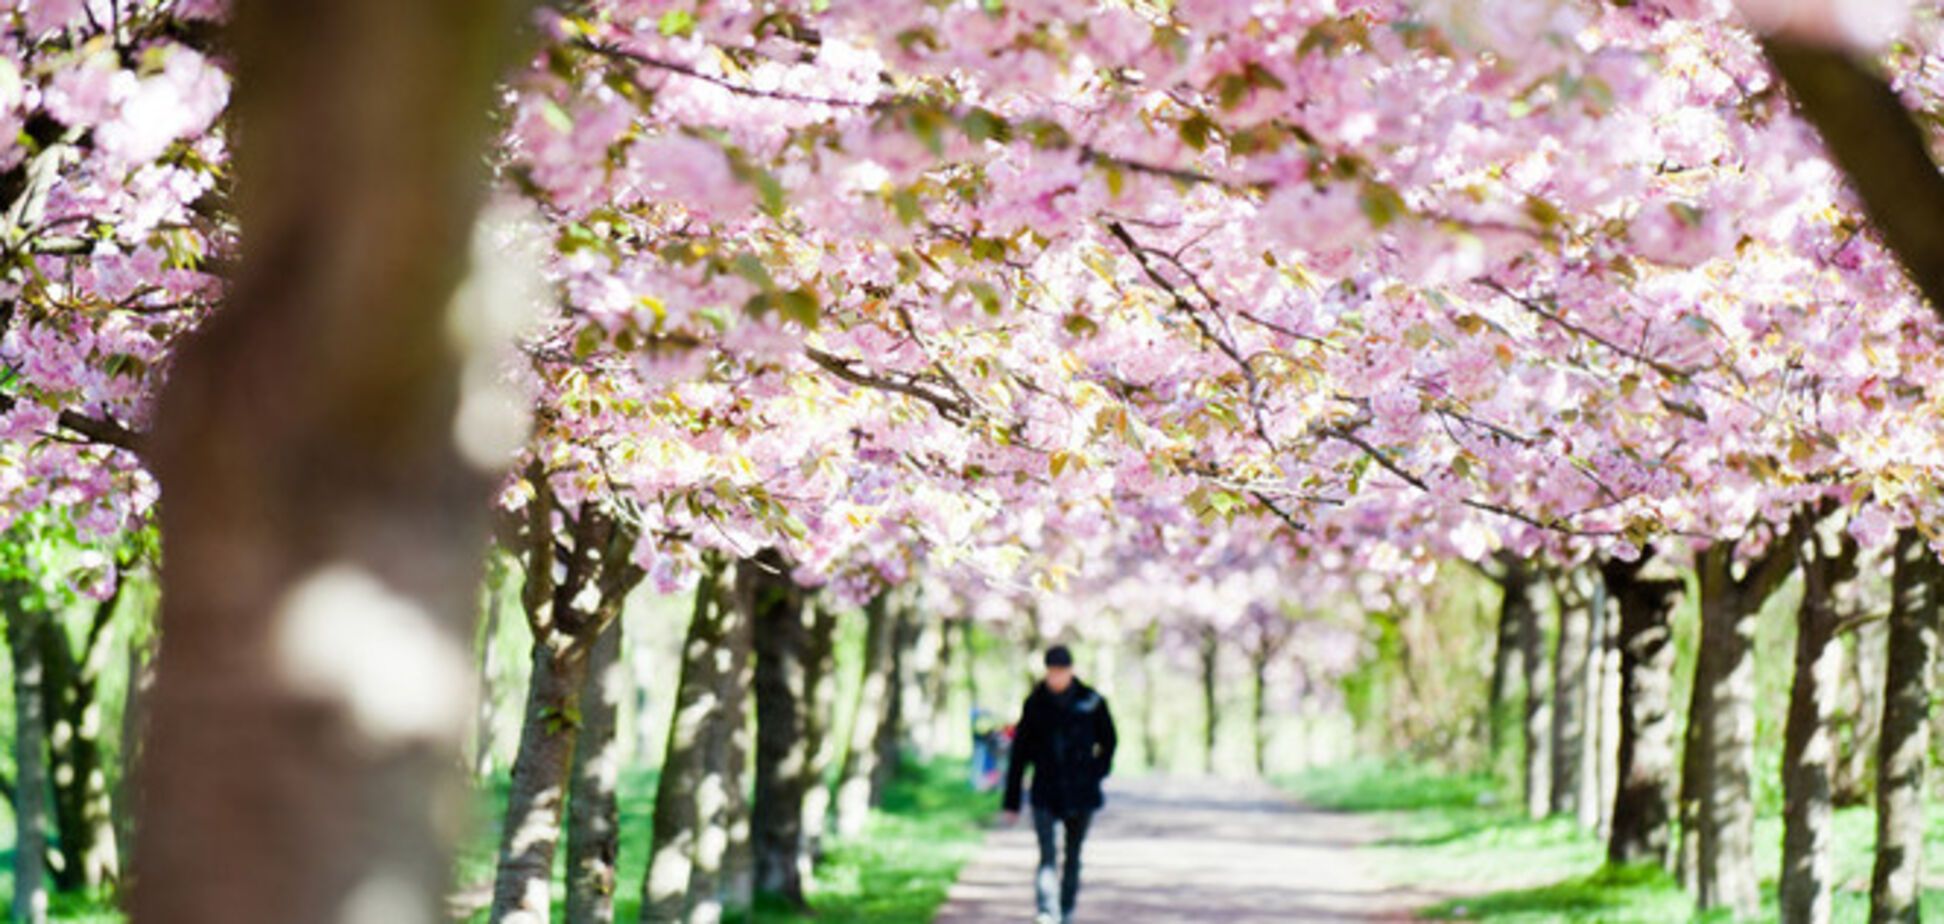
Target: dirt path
1169, 850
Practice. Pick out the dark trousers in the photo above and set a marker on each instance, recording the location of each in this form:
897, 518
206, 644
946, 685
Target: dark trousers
1051, 879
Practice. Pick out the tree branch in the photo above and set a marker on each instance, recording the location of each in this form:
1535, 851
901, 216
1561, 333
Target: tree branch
1880, 147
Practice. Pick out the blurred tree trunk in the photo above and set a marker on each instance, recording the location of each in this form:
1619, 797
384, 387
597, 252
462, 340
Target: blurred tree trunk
482, 763
1259, 674
1603, 707
134, 730
938, 688
1641, 829
321, 521
593, 809
894, 724
1211, 662
775, 605
1896, 885
1524, 587
685, 763
819, 738
597, 566
918, 664
854, 786
1717, 807
84, 809
1808, 754
1508, 668
1572, 648
30, 757
1150, 686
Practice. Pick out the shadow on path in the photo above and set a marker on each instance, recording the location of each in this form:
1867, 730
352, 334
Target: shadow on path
1168, 850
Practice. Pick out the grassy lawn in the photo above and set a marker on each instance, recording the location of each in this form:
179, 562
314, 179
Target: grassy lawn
897, 872
1461, 836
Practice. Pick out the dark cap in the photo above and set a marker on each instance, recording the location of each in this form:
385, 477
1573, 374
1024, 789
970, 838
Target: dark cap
1059, 656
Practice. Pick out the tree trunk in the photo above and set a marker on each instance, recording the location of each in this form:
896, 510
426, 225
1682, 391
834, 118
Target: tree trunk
917, 662
323, 526
1508, 668
488, 653
685, 762
1211, 656
819, 741
861, 756
134, 730
1571, 650
593, 819
1717, 769
1860, 712
83, 805
1896, 886
1808, 756
523, 887
1523, 589
764, 589
1259, 672
892, 734
1640, 831
1150, 686
564, 639
30, 759
721, 879
1602, 710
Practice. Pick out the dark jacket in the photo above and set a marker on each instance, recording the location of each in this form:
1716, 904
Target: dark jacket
1069, 740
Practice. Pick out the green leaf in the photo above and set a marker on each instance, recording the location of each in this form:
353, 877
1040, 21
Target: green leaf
676, 23
982, 124
1196, 130
987, 296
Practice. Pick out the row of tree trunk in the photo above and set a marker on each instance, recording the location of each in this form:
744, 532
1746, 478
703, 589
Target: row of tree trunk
70, 820
741, 808
1599, 732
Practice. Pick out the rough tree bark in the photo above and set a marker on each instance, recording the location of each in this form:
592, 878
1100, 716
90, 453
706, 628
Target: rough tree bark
323, 523
775, 604
1571, 656
596, 570
30, 759
1896, 887
854, 784
1860, 711
1717, 807
1808, 754
722, 879
84, 809
1641, 828
677, 817
820, 742
593, 809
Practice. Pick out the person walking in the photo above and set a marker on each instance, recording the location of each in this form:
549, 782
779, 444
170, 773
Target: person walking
1066, 734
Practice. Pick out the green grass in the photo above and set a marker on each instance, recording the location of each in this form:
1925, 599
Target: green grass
899, 870
896, 872
1461, 835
